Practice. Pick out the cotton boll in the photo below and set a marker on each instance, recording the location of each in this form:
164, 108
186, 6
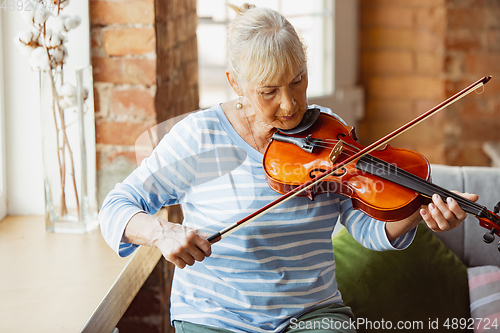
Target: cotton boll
26, 41
39, 59
67, 89
23, 48
41, 14
61, 53
54, 40
57, 55
37, 53
58, 24
67, 95
49, 36
24, 36
66, 23
72, 22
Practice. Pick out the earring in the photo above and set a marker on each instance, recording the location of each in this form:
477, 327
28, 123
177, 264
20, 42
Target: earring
239, 105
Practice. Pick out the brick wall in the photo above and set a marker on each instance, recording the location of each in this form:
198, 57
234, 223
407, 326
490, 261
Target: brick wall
144, 55
472, 50
416, 53
124, 61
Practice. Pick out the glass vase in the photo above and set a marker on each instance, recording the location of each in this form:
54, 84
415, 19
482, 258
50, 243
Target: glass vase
68, 150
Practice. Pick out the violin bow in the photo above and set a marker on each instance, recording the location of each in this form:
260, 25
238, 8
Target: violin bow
368, 149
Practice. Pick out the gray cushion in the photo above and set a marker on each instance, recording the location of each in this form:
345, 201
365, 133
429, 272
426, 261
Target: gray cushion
485, 182
466, 241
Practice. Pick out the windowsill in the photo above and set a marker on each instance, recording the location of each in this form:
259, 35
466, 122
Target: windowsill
64, 283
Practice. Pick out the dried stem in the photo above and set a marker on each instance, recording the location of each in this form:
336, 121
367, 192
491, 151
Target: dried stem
61, 159
70, 153
61, 150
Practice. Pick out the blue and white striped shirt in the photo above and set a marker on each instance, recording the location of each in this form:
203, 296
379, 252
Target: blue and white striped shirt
266, 273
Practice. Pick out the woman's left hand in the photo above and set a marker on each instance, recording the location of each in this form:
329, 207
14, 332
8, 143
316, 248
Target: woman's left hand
443, 216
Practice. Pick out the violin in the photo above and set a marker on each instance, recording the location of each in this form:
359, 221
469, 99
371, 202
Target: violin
373, 182
388, 184
322, 155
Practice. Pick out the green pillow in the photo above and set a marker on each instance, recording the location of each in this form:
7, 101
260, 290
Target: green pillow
425, 283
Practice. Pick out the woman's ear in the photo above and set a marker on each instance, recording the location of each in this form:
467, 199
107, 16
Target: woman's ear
233, 83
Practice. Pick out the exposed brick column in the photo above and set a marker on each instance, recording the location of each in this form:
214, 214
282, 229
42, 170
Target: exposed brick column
144, 54
472, 51
124, 60
402, 57
177, 74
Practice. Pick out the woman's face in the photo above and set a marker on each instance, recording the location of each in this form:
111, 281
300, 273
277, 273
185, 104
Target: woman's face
279, 104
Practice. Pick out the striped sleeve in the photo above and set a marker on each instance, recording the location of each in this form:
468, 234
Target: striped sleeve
370, 232
160, 180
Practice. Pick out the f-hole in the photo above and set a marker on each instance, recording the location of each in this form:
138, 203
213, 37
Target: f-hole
338, 173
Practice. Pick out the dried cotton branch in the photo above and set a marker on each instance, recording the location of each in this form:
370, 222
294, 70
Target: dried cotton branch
45, 46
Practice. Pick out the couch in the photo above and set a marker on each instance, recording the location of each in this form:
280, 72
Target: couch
425, 288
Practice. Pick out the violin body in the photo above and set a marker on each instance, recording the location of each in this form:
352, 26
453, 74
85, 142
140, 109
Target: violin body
288, 166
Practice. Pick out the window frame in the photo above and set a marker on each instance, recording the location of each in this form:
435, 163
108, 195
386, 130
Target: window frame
347, 98
3, 164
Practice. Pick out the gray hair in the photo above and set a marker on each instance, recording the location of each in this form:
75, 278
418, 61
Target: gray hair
263, 46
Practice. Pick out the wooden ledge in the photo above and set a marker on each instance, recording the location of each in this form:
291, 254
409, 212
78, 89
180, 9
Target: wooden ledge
65, 283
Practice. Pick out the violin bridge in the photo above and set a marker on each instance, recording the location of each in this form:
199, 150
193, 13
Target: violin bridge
336, 151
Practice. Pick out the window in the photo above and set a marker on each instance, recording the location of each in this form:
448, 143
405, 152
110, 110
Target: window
329, 29
3, 185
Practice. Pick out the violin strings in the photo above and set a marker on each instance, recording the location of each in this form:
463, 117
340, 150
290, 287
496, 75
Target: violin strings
401, 173
467, 204
470, 206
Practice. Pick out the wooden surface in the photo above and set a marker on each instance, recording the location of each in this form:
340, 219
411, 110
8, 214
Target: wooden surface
64, 283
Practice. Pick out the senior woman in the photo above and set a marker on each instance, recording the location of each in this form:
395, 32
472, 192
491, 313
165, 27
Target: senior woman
277, 273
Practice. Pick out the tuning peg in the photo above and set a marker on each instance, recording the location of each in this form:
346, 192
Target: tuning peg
496, 209
489, 237
498, 246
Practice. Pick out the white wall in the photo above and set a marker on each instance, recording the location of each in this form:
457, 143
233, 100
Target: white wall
22, 119
3, 178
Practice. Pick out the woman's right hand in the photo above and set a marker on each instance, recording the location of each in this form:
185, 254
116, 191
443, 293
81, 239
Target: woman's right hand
179, 244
